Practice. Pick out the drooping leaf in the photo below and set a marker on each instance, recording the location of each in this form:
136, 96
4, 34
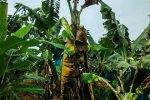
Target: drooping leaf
97, 47
33, 77
100, 81
30, 89
14, 42
31, 43
11, 42
141, 40
20, 65
58, 45
23, 31
89, 3
117, 38
67, 28
106, 11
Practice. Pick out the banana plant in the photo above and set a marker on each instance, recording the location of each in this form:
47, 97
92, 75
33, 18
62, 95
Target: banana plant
39, 46
46, 28
140, 55
114, 56
142, 41
104, 83
18, 64
117, 34
18, 59
15, 66
74, 60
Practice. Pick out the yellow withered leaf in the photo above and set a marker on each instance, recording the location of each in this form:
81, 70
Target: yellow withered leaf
67, 71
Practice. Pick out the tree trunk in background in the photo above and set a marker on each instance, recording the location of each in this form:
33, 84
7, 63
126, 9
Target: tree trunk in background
3, 20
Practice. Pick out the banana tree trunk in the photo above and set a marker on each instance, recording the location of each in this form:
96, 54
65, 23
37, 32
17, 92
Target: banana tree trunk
3, 20
86, 91
74, 62
73, 66
69, 89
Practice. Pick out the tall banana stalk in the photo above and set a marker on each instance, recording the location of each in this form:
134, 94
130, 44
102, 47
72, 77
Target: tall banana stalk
74, 61
3, 19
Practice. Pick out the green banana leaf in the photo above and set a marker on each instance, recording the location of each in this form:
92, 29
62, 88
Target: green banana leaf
23, 31
29, 88
67, 28
141, 40
3, 20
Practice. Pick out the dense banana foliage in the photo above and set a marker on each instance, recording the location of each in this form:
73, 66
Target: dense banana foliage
40, 60
118, 61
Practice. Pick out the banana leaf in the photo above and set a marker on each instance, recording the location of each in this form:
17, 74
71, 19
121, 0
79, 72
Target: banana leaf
3, 20
141, 40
